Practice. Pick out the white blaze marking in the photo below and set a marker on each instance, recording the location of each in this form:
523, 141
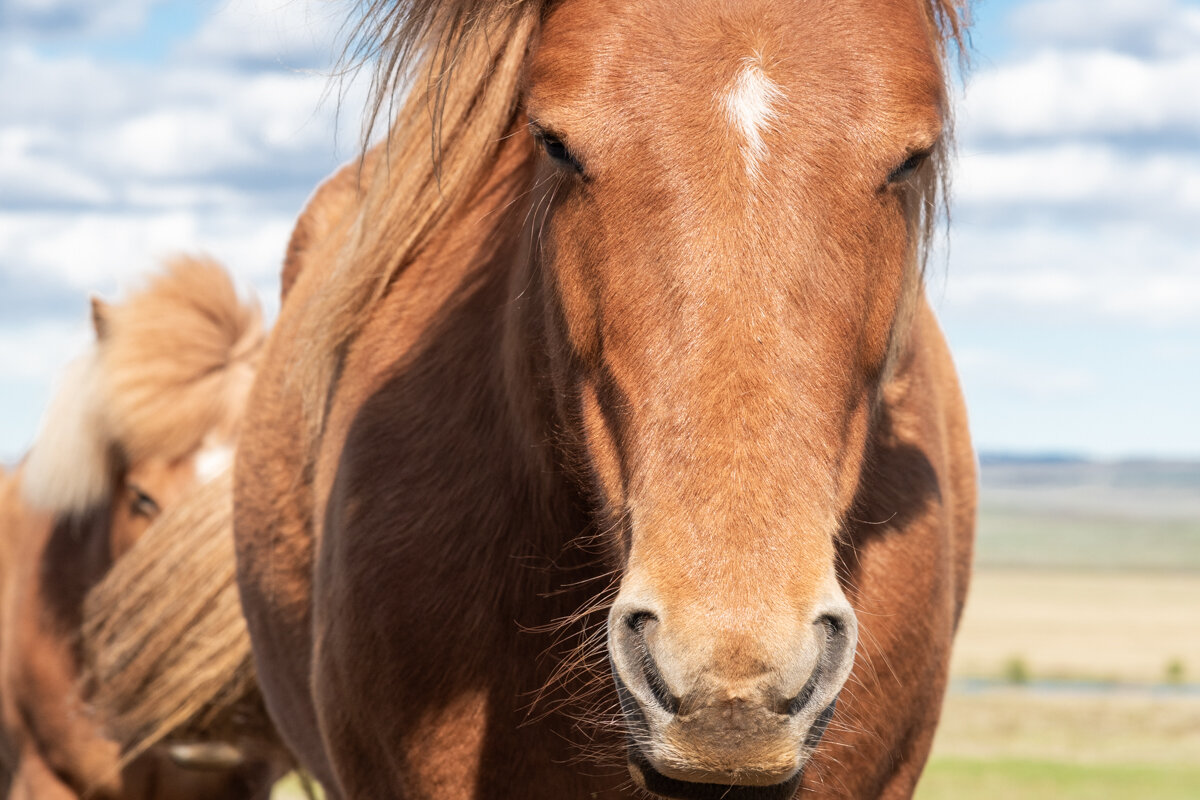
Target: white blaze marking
750, 107
212, 460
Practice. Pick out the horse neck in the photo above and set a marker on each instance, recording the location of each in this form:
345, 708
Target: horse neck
467, 309
554, 516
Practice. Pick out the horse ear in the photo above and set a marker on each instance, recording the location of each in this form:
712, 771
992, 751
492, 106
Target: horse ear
100, 311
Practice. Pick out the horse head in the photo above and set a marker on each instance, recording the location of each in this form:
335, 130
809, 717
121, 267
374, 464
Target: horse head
153, 406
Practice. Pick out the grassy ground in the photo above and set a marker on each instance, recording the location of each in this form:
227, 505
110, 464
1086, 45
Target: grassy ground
1033, 744
1006, 779
1089, 515
1094, 729
1027, 745
290, 788
1047, 538
1081, 625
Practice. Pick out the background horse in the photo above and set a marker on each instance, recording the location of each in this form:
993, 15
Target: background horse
151, 410
167, 654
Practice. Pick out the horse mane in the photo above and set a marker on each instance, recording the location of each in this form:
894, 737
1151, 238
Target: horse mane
184, 670
170, 365
462, 61
70, 467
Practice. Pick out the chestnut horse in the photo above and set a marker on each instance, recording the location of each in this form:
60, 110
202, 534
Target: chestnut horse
151, 410
618, 421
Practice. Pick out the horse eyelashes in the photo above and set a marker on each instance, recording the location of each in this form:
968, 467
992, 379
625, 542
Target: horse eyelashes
556, 149
909, 166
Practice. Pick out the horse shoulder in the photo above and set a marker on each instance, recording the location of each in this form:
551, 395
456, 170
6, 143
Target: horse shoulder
324, 223
273, 533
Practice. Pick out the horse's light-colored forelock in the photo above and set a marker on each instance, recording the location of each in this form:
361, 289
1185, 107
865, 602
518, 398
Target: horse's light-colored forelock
462, 61
173, 364
177, 361
71, 465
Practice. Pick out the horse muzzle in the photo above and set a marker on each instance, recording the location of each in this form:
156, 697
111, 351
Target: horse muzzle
740, 729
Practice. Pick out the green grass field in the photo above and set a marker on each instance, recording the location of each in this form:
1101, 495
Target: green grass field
1034, 744
1129, 627
1045, 539
1010, 779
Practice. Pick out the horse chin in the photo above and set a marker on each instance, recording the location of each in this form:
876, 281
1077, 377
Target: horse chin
650, 779
647, 777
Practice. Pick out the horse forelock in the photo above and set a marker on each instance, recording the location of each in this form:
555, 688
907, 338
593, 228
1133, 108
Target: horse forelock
173, 365
70, 467
177, 361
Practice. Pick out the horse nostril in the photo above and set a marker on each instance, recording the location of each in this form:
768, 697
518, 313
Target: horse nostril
637, 620
833, 652
637, 623
835, 626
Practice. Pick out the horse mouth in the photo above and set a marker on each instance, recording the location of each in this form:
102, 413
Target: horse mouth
650, 779
647, 777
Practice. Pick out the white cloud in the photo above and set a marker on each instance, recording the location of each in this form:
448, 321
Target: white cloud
996, 368
1127, 272
180, 122
1160, 186
72, 17
1141, 27
1093, 93
32, 178
1078, 185
97, 251
292, 34
37, 352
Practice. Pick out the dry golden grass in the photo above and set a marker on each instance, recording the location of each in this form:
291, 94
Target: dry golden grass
1088, 625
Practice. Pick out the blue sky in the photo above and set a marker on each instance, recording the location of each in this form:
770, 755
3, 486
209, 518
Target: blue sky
1070, 289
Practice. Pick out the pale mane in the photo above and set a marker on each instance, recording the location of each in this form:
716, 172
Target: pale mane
462, 60
70, 467
170, 365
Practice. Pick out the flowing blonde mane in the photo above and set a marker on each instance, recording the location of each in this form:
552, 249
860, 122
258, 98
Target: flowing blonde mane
169, 366
463, 61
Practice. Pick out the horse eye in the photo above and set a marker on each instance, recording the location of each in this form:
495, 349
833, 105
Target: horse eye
909, 166
556, 149
142, 505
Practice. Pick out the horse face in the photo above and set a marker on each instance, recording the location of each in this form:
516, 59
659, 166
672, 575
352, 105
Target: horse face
153, 484
728, 247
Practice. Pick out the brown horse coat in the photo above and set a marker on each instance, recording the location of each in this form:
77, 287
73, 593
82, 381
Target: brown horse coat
455, 482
